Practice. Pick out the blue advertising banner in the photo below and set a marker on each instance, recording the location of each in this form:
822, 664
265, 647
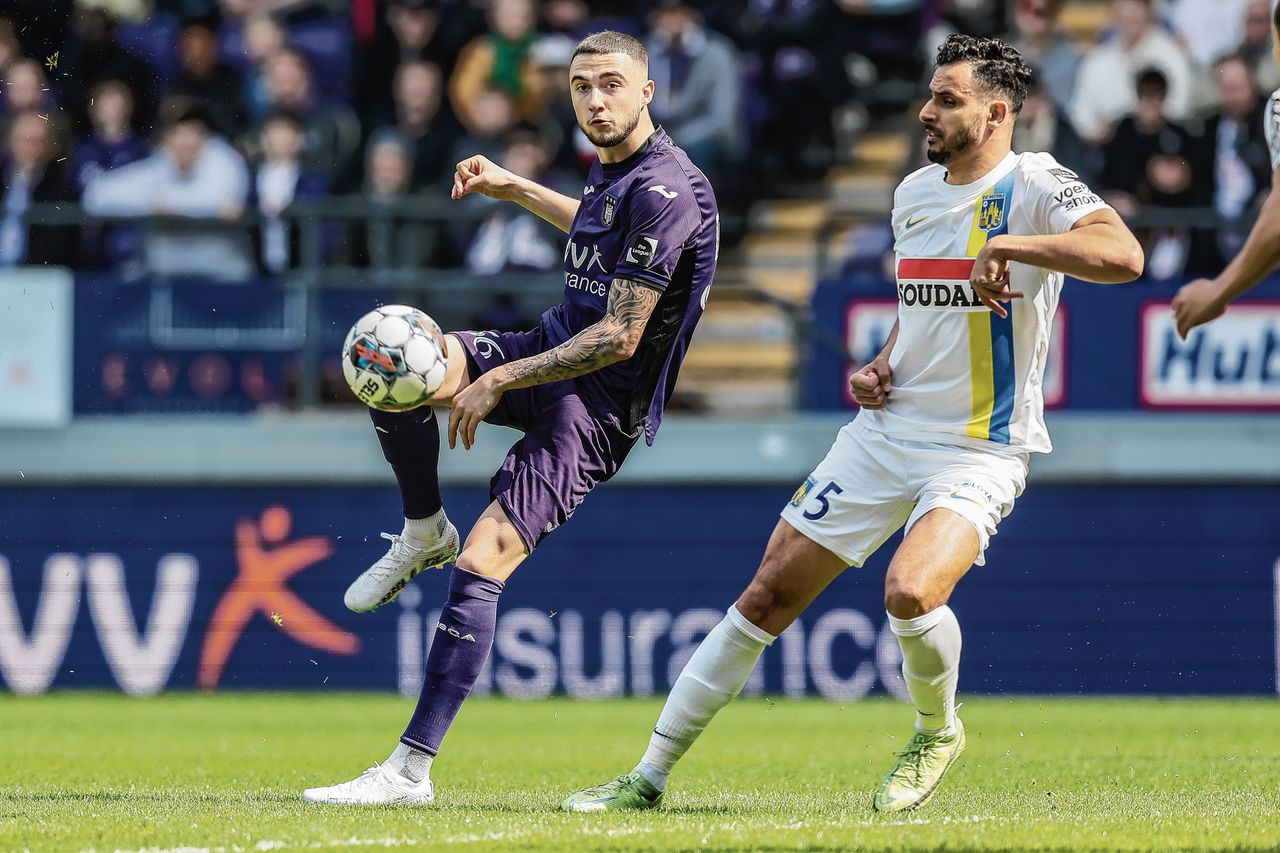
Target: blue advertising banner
1114, 347
1094, 590
186, 345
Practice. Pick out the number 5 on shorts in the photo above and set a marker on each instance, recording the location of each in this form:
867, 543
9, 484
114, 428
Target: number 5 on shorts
821, 497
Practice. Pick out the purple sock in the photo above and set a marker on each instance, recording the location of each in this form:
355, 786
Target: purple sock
459, 649
411, 443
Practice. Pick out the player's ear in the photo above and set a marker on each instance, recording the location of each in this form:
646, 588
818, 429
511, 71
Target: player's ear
646, 94
997, 112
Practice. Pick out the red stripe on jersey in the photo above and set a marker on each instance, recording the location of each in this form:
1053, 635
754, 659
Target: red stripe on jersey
947, 269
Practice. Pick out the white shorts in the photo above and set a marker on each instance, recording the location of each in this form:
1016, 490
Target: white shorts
870, 484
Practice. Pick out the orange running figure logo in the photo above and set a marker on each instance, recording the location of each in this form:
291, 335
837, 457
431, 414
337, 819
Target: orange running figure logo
259, 587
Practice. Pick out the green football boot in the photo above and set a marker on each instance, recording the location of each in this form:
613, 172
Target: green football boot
915, 778
627, 793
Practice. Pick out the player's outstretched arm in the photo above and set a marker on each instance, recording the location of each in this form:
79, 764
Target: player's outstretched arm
1205, 299
1099, 248
481, 175
613, 338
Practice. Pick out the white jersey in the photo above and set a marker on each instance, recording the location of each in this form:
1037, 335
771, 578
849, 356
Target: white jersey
1273, 129
961, 374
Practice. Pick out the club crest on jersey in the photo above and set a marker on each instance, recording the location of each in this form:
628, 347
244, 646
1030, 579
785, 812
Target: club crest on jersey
991, 214
610, 205
801, 493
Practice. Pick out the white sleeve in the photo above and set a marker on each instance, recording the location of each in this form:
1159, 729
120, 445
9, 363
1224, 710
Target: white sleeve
1058, 198
1273, 129
127, 191
894, 224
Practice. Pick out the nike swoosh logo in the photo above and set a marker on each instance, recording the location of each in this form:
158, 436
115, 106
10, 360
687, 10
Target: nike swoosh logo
912, 223
664, 735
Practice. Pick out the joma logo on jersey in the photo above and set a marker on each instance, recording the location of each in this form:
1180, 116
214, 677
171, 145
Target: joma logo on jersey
991, 214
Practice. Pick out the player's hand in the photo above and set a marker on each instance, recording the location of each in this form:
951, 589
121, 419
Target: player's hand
1195, 304
871, 385
990, 278
481, 175
470, 407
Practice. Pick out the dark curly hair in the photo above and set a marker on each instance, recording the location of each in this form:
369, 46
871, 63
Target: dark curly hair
997, 67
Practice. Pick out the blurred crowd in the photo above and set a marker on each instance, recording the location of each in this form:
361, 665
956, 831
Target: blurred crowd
212, 118
1165, 111
204, 115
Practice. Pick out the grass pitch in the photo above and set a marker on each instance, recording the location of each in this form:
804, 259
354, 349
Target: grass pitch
104, 772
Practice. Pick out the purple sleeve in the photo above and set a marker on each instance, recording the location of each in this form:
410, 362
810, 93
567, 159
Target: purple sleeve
660, 223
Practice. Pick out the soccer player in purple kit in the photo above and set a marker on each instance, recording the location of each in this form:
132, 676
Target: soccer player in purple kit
583, 386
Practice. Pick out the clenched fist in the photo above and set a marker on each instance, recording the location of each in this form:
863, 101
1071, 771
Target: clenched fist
871, 385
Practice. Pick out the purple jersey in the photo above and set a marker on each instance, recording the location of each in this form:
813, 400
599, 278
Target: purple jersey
650, 218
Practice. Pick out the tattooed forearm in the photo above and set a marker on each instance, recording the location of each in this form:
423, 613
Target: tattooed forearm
614, 338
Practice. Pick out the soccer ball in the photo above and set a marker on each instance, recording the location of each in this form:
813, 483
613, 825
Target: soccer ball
394, 358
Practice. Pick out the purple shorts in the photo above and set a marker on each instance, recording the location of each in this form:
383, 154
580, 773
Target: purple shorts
567, 450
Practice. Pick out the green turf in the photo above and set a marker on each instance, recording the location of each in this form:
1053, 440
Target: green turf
105, 772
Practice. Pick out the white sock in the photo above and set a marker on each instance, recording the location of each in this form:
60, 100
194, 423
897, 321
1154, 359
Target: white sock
713, 676
931, 666
424, 529
412, 764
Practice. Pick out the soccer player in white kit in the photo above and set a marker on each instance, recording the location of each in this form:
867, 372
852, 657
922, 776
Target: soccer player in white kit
950, 411
1203, 300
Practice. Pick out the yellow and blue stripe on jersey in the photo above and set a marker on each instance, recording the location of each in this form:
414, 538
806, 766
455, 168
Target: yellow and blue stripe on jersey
991, 336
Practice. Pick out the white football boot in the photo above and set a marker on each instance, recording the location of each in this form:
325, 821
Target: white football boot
405, 560
377, 786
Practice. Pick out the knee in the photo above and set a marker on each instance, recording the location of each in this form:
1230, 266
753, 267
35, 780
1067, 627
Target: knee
756, 602
765, 604
495, 557
906, 600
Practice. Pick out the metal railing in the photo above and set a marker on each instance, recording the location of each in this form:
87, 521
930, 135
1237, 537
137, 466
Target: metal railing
314, 271
1147, 217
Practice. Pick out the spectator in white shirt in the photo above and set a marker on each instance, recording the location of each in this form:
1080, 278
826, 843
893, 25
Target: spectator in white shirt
1105, 91
1209, 28
194, 175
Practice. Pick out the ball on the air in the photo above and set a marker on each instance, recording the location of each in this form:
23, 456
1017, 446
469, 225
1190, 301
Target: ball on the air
394, 358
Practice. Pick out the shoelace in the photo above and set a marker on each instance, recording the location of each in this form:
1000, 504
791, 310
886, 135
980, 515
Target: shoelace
400, 551
609, 787
351, 785
912, 758
377, 773
915, 750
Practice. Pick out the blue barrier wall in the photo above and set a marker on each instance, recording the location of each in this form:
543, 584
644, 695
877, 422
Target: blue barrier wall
187, 345
1114, 347
1130, 590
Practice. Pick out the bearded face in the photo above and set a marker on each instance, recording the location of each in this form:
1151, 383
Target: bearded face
609, 95
943, 145
955, 116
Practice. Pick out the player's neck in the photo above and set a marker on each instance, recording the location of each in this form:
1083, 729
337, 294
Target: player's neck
972, 168
639, 136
